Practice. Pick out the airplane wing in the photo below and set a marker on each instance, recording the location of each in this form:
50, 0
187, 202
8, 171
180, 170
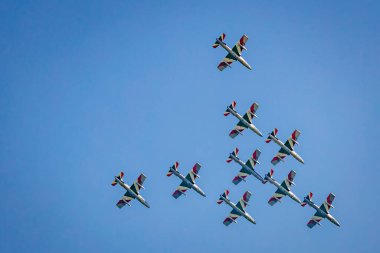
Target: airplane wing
226, 62
327, 204
287, 183
243, 173
138, 184
276, 197
282, 153
314, 220
181, 189
231, 217
251, 113
240, 45
237, 129
243, 202
124, 200
193, 174
292, 139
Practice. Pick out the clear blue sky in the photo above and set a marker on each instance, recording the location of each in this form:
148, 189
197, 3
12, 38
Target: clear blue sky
88, 89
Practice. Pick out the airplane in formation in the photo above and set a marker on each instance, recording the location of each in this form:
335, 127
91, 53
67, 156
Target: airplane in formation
247, 168
287, 148
321, 212
132, 191
188, 181
238, 209
234, 54
245, 121
283, 189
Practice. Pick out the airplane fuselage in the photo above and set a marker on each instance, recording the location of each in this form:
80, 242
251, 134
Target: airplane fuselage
322, 213
283, 190
128, 189
291, 152
247, 124
188, 183
241, 212
254, 173
237, 57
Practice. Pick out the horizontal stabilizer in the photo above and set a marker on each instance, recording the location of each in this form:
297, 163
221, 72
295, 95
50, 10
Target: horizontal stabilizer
270, 173
120, 177
308, 197
234, 153
230, 107
174, 167
224, 195
221, 38
271, 135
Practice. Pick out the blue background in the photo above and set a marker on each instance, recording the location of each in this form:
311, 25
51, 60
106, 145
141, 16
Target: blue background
90, 88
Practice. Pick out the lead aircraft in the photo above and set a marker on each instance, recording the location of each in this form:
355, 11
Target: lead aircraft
245, 121
132, 191
283, 189
247, 168
238, 209
234, 54
287, 148
188, 181
322, 212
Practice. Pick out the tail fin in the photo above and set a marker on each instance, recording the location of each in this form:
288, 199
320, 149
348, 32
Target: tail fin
231, 106
174, 167
120, 177
270, 173
308, 197
225, 195
221, 38
273, 133
235, 153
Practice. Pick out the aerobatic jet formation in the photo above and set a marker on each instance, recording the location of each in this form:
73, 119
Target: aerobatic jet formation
287, 148
132, 191
283, 189
247, 168
234, 54
238, 209
188, 182
322, 212
245, 121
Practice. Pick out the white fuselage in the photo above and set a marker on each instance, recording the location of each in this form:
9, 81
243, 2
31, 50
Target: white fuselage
188, 183
242, 213
285, 191
237, 57
247, 124
253, 172
128, 189
282, 145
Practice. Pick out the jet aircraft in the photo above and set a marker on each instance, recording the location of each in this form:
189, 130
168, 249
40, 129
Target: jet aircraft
283, 189
245, 121
247, 168
132, 191
287, 148
234, 53
238, 209
322, 211
188, 181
